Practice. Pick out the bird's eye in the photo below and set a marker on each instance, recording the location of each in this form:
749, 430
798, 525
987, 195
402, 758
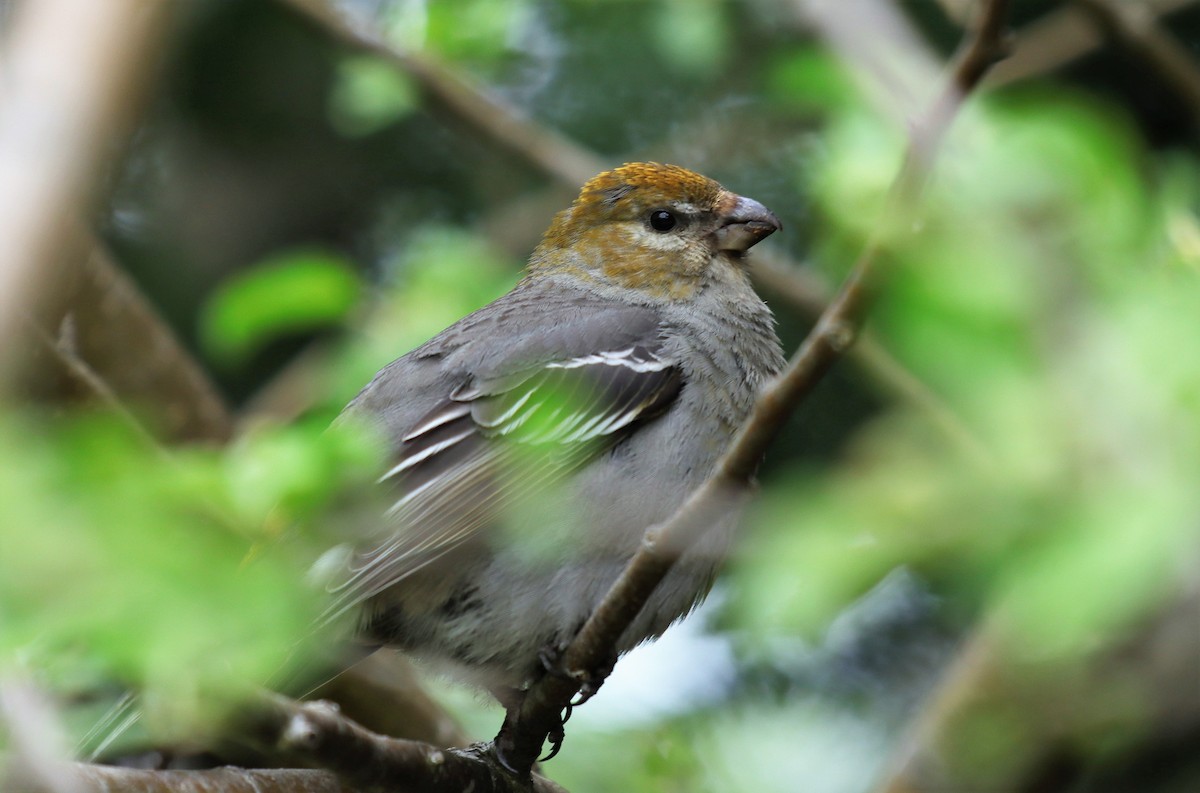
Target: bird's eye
662, 220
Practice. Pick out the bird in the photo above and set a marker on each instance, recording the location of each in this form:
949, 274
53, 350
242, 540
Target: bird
532, 442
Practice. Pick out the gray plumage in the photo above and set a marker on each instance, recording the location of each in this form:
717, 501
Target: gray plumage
533, 443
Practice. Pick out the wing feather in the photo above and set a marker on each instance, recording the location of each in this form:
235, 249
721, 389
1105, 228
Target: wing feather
499, 438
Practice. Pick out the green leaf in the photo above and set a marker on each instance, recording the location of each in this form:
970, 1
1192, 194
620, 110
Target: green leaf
810, 79
291, 292
693, 35
369, 95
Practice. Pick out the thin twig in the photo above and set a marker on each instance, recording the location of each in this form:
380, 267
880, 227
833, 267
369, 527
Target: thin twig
384, 694
65, 351
521, 738
108, 344
546, 150
1055, 709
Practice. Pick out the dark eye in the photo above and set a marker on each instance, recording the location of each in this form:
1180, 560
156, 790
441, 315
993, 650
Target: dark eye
662, 220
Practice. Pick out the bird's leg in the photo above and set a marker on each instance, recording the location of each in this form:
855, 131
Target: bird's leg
550, 657
589, 680
512, 699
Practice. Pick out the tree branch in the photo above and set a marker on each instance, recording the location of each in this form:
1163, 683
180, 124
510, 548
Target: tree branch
520, 739
1135, 25
107, 343
544, 149
72, 74
86, 778
1056, 711
1059, 38
317, 734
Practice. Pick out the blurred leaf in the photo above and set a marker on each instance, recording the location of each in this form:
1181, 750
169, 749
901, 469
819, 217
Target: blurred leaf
476, 32
369, 95
693, 35
1042, 297
121, 566
810, 79
296, 291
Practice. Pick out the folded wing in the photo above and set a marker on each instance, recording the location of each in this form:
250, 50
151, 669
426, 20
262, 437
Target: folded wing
500, 437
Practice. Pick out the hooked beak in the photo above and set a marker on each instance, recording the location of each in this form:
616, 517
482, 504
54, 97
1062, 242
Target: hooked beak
746, 223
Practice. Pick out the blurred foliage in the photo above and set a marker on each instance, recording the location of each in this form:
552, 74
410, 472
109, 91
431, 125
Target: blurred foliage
178, 574
1040, 295
290, 292
370, 95
442, 275
477, 33
1048, 295
1045, 294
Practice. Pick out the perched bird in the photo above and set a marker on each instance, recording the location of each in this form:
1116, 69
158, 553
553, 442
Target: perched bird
536, 439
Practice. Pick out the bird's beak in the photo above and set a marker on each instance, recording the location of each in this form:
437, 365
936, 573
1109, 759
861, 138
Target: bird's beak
745, 223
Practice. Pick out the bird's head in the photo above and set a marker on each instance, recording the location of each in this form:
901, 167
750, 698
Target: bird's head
657, 229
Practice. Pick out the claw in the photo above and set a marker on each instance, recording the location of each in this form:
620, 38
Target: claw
550, 657
556, 736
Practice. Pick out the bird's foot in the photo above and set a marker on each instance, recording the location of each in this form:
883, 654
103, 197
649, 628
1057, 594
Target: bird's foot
589, 680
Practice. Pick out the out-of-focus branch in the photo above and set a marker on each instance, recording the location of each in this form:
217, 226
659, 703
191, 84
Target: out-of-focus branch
383, 694
1135, 26
84, 778
520, 739
542, 148
72, 74
108, 344
1061, 37
1049, 713
804, 291
35, 737
887, 56
316, 733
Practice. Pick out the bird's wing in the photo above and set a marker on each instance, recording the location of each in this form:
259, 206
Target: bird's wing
501, 435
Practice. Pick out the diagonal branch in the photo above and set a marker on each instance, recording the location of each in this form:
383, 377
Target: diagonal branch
524, 730
1134, 25
544, 149
106, 343
1062, 37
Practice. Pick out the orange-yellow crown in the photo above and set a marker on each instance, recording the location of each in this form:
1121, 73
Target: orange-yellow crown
667, 180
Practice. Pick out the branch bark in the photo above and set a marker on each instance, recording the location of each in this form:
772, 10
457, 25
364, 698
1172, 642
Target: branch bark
315, 733
72, 74
85, 778
107, 344
524, 730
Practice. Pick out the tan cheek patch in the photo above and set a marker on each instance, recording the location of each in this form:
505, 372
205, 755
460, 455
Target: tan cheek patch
624, 260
